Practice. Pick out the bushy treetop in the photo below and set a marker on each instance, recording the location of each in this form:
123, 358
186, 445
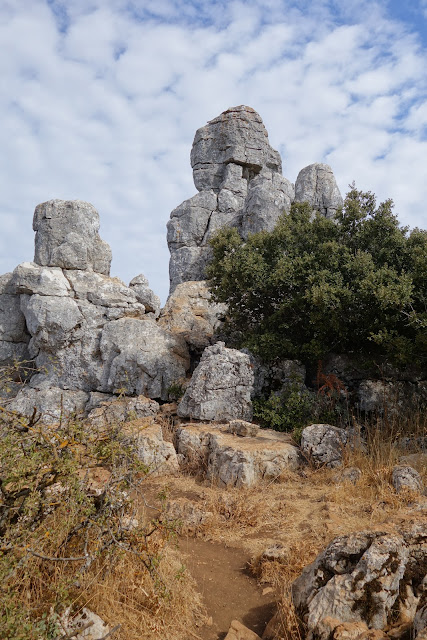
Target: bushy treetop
355, 284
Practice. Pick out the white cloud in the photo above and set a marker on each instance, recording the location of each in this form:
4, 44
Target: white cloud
100, 101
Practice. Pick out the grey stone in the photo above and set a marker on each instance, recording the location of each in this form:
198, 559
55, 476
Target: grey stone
210, 450
12, 320
238, 175
221, 386
406, 477
51, 402
243, 429
11, 353
237, 136
351, 475
146, 439
316, 185
31, 278
71, 623
268, 198
190, 313
67, 236
140, 357
115, 411
361, 577
324, 444
140, 286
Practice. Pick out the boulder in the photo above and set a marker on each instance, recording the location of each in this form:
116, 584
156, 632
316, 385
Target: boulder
362, 578
118, 410
67, 236
146, 439
243, 429
324, 444
238, 631
220, 388
316, 185
212, 451
52, 403
405, 477
189, 312
31, 278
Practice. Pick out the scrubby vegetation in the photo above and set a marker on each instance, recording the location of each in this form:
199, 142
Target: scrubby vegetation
356, 284
73, 533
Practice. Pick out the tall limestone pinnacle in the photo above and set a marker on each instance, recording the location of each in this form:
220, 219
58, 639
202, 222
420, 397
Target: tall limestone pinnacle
240, 183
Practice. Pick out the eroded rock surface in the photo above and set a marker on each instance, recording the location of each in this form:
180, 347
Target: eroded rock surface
324, 444
189, 312
231, 461
316, 185
221, 386
363, 578
238, 176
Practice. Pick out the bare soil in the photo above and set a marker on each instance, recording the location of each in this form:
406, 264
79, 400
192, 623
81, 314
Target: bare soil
303, 513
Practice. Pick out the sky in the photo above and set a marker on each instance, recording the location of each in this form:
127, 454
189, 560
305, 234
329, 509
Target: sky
100, 101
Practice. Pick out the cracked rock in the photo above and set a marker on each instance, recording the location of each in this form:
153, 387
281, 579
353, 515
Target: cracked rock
324, 444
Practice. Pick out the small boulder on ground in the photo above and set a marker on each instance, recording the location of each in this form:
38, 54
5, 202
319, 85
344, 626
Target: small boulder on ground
324, 444
243, 429
406, 477
238, 631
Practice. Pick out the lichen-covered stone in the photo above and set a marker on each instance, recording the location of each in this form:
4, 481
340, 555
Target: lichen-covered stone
324, 444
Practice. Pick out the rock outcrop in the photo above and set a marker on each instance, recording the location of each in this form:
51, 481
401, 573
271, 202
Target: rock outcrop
84, 330
240, 183
233, 461
238, 176
324, 444
363, 581
221, 386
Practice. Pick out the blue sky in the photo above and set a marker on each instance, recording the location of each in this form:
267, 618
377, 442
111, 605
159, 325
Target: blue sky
100, 100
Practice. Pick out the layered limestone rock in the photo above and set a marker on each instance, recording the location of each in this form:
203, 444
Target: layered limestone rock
240, 183
238, 175
316, 185
361, 582
233, 461
85, 331
67, 236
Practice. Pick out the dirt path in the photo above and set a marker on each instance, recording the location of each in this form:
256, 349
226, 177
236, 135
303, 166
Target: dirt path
229, 591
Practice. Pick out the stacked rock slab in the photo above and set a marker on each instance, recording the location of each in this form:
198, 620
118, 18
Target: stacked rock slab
85, 330
238, 176
240, 183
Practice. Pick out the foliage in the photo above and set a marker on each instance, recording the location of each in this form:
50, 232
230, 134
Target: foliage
68, 501
355, 284
294, 407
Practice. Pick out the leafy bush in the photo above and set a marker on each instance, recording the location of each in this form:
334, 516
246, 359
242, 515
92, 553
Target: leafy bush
356, 284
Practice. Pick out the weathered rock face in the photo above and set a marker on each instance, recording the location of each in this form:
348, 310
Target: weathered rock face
316, 185
233, 461
14, 336
144, 295
361, 581
84, 330
324, 444
238, 175
50, 402
67, 236
190, 313
221, 386
405, 477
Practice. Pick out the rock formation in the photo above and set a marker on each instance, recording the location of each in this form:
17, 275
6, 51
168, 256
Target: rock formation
84, 330
238, 176
240, 183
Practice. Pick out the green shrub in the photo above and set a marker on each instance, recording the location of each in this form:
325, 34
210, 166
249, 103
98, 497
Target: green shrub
356, 284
